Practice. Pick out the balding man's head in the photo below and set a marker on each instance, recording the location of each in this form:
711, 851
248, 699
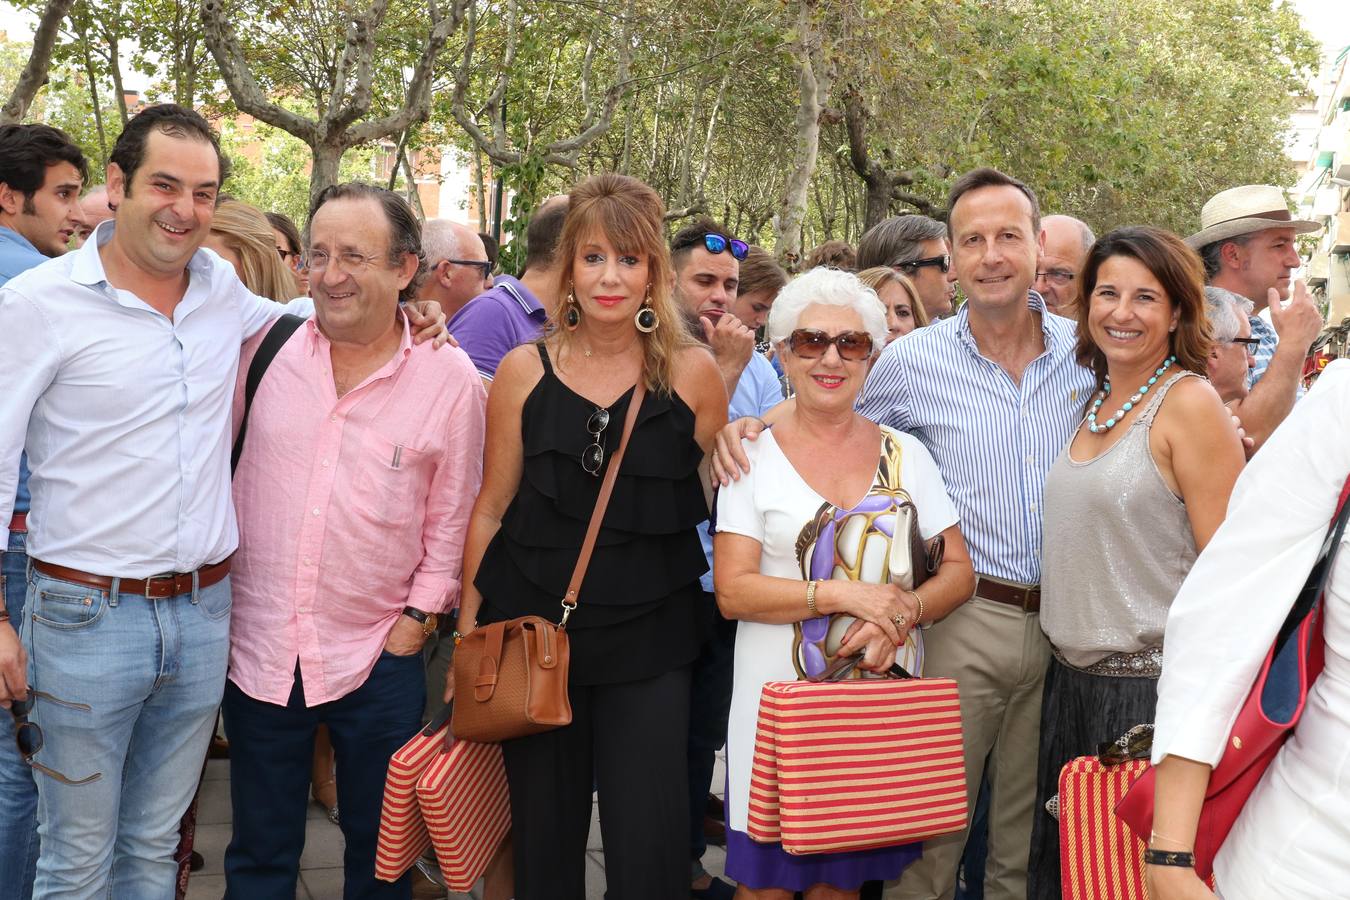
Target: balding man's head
457, 264
93, 210
1065, 246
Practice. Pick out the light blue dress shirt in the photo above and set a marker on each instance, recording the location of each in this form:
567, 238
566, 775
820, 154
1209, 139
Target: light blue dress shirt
757, 392
17, 255
125, 413
993, 438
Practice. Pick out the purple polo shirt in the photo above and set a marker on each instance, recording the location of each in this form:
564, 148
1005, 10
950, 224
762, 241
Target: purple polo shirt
492, 324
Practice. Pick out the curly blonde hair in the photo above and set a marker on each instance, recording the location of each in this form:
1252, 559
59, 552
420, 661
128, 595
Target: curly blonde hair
632, 217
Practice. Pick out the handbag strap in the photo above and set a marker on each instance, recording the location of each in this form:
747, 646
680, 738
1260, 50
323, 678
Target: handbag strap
569, 600
1311, 594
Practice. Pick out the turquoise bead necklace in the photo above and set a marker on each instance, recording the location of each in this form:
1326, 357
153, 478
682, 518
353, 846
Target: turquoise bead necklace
1129, 404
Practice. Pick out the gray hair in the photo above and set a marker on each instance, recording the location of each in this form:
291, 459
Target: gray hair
1223, 308
827, 287
439, 241
897, 240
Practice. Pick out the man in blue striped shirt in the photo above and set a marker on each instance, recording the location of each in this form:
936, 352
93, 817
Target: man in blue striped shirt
994, 393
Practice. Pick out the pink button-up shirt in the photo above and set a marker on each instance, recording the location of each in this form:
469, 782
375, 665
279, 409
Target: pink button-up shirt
349, 510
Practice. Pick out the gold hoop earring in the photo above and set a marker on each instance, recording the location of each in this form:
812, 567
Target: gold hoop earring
646, 320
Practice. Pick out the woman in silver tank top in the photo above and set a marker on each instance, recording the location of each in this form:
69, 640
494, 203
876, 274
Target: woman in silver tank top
1139, 489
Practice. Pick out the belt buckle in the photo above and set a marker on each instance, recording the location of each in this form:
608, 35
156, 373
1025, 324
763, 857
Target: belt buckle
170, 577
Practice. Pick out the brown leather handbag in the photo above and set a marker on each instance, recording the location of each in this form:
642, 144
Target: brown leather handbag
511, 677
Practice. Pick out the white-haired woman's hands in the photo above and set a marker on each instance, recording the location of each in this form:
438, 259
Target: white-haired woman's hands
877, 649
884, 605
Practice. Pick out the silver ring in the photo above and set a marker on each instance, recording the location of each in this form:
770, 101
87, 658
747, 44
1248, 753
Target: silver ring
899, 620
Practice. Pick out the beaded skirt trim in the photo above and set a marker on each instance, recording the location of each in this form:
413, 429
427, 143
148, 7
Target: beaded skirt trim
1146, 663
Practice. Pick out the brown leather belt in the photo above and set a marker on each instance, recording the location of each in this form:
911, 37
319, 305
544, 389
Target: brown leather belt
156, 587
1025, 597
19, 524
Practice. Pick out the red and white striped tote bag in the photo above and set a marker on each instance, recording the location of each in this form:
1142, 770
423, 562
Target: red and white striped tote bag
403, 833
856, 765
467, 808
1100, 858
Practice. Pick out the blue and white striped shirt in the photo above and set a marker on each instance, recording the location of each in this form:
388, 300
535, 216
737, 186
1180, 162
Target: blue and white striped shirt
993, 439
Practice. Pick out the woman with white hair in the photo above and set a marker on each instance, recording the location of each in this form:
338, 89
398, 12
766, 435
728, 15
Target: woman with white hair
801, 557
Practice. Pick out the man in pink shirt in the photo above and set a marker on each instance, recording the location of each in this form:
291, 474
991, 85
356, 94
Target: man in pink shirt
362, 460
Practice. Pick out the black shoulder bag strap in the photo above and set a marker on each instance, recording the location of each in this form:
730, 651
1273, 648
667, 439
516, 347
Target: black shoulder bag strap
276, 336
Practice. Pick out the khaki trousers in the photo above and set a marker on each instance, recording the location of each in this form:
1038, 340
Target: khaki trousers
998, 656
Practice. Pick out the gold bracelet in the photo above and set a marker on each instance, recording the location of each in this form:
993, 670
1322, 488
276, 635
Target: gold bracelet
1153, 836
811, 597
918, 600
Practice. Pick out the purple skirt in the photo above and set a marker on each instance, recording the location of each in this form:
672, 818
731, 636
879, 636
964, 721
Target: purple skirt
759, 866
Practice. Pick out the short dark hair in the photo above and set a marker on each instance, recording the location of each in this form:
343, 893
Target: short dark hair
1212, 254
543, 233
691, 236
897, 240
405, 232
166, 118
282, 222
1178, 270
490, 247
27, 151
987, 177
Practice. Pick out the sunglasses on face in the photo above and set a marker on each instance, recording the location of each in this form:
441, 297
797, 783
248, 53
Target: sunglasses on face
718, 243
811, 343
28, 736
942, 263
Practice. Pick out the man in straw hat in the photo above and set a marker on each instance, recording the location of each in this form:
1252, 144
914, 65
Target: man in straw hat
1246, 240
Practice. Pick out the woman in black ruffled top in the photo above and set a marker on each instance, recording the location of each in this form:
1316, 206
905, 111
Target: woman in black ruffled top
636, 629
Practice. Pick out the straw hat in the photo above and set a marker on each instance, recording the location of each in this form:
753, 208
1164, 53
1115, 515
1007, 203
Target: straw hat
1246, 210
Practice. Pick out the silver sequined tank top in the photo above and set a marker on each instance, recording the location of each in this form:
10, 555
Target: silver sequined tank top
1117, 546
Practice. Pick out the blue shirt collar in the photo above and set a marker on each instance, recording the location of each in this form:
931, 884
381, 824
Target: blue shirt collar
1035, 302
10, 236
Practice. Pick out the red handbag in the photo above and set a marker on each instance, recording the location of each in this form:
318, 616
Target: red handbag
856, 765
1267, 718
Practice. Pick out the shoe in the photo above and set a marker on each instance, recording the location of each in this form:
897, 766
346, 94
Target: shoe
219, 749
424, 887
325, 794
716, 808
717, 889
196, 862
714, 832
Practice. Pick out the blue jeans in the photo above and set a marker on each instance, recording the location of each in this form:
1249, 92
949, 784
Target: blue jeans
152, 672
18, 793
271, 748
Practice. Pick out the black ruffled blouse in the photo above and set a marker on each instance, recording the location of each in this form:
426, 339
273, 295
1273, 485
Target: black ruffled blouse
638, 610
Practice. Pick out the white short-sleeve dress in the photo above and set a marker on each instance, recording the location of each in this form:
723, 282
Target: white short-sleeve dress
776, 507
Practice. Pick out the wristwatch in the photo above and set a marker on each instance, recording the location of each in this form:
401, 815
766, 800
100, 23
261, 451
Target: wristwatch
427, 619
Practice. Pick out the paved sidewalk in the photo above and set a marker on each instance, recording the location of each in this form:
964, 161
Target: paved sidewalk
321, 863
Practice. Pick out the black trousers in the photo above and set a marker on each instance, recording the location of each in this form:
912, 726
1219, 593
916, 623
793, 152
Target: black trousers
629, 740
709, 707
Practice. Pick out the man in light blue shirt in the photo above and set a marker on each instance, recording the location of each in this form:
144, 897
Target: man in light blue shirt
41, 172
706, 282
